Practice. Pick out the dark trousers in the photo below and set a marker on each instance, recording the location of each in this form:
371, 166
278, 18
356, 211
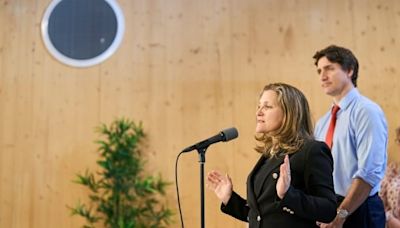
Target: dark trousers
370, 214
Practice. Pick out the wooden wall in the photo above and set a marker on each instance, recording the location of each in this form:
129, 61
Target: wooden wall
186, 69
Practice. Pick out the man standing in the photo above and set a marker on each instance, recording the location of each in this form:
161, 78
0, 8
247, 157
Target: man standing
356, 130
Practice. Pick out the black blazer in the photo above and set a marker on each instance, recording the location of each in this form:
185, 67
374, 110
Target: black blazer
310, 197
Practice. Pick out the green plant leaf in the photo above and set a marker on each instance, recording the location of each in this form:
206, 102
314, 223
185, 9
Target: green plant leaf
121, 194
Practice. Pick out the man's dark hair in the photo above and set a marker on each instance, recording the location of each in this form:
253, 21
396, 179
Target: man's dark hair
343, 56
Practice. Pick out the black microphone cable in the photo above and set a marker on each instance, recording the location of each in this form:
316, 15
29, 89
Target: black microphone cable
177, 188
225, 135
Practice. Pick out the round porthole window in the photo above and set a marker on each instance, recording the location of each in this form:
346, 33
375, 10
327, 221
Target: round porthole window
82, 33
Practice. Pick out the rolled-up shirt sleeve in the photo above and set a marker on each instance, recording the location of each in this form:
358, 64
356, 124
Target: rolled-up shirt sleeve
371, 143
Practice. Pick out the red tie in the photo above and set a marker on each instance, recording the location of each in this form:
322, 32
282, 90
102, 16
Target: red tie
331, 129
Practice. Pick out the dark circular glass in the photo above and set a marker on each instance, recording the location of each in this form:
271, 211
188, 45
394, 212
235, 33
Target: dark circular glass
82, 29
82, 32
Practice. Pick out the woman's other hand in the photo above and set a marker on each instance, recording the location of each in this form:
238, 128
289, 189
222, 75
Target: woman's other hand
283, 183
220, 184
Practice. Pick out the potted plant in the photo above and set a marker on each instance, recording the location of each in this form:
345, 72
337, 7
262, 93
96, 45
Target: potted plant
121, 194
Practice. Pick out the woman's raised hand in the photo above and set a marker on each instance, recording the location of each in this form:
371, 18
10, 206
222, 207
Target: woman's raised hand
283, 183
220, 184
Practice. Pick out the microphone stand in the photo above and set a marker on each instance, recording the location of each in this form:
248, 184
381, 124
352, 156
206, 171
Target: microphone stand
202, 160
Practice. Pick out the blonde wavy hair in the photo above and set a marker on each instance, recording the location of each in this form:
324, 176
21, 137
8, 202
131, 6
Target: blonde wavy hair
296, 126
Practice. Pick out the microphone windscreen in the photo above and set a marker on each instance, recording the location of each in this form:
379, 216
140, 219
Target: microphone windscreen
229, 134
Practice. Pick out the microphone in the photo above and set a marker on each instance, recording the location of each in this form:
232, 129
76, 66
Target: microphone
225, 135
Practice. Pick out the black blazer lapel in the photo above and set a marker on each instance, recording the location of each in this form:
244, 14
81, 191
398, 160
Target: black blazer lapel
251, 197
251, 192
273, 164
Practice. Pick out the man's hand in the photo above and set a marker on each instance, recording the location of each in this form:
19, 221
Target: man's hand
336, 223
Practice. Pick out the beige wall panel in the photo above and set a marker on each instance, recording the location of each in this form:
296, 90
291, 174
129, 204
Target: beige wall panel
186, 69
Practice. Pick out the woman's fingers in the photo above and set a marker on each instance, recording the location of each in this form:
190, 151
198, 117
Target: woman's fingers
285, 168
287, 164
214, 176
228, 178
284, 179
215, 179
